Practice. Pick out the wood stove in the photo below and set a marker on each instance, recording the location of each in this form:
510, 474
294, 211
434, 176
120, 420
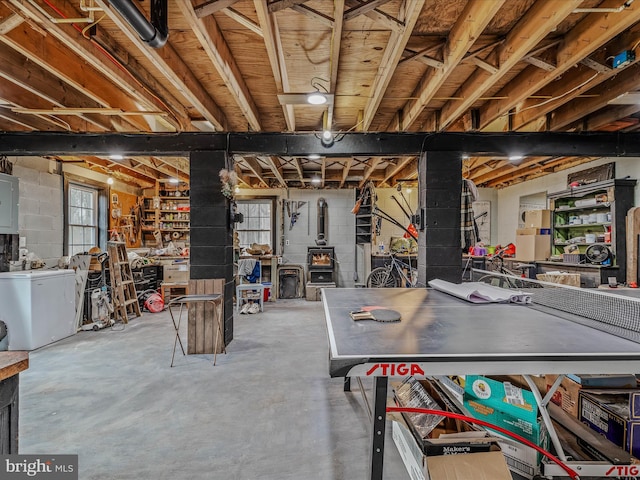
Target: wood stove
321, 264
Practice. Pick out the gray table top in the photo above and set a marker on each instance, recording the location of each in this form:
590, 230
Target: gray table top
452, 336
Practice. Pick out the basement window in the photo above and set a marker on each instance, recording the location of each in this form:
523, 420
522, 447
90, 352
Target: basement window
82, 227
257, 225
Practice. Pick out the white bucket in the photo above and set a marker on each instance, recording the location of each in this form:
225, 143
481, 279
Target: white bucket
590, 238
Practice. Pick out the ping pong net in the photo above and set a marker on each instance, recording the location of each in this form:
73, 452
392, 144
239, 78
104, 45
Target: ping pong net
616, 314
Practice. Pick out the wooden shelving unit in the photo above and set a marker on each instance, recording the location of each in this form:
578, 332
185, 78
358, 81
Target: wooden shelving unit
166, 213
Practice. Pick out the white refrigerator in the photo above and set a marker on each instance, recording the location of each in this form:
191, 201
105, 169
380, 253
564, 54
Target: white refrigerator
38, 307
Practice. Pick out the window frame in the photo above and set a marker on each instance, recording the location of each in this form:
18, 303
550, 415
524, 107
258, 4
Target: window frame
272, 201
100, 206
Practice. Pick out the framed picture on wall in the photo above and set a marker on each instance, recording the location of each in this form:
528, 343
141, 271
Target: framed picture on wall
114, 198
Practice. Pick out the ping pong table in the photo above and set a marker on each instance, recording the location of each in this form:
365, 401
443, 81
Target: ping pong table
442, 335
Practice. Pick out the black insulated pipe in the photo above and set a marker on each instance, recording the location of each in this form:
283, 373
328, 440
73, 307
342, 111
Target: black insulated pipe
154, 33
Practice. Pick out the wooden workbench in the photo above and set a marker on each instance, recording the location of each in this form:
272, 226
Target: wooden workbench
11, 364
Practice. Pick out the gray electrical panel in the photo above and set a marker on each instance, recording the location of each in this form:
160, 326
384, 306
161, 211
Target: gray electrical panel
8, 204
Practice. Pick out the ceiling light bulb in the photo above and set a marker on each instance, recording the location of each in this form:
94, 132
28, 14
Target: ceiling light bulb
316, 98
174, 180
116, 156
515, 158
315, 180
237, 189
313, 156
110, 181
408, 190
326, 135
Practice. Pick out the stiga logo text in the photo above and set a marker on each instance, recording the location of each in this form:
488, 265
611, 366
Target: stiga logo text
49, 467
392, 369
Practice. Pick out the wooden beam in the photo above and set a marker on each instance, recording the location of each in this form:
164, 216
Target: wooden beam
345, 171
610, 115
87, 52
543, 17
32, 122
573, 83
212, 6
32, 78
372, 164
314, 14
276, 58
243, 20
46, 54
392, 55
212, 41
334, 56
392, 170
9, 23
300, 170
383, 19
472, 21
540, 63
256, 169
585, 38
162, 168
144, 181
478, 62
363, 8
622, 83
174, 69
273, 163
278, 5
410, 170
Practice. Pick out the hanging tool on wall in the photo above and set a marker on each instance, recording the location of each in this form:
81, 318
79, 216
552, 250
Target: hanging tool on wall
404, 210
295, 214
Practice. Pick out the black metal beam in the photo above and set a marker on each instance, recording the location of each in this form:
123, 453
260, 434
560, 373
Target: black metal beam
599, 144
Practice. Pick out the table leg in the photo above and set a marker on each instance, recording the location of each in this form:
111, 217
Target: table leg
347, 384
378, 427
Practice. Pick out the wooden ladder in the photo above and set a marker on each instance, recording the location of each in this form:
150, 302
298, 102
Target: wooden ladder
123, 290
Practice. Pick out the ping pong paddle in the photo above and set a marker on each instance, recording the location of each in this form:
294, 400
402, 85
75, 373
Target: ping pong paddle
377, 314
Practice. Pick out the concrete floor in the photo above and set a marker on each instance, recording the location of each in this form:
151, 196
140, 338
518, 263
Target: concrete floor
267, 410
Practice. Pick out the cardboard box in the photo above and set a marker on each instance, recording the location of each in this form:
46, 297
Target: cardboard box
537, 219
512, 408
176, 273
533, 247
615, 414
567, 394
481, 466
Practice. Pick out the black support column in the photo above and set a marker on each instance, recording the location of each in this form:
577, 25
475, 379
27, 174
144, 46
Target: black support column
211, 244
439, 245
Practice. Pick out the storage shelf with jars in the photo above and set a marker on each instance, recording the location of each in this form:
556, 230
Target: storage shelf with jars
167, 213
589, 215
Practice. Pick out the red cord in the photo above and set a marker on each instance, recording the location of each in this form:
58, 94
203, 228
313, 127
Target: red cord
465, 418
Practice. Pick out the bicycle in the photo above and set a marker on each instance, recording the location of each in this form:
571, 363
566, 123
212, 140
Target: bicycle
395, 274
505, 278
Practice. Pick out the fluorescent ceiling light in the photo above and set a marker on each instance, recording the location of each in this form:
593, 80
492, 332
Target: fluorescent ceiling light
314, 156
174, 180
116, 156
315, 180
515, 158
316, 98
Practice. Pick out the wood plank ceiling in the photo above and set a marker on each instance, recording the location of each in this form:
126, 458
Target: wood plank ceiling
384, 65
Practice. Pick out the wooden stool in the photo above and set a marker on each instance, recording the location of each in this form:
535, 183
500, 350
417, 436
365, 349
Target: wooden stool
167, 291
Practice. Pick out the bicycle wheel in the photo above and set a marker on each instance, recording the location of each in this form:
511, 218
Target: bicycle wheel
381, 277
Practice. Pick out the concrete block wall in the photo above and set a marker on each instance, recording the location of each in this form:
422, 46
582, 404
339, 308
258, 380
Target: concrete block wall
40, 213
340, 230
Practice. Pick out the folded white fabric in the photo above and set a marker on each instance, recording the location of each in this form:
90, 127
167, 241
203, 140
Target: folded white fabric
478, 292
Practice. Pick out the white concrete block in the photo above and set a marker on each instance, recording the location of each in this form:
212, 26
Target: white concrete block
52, 181
28, 205
38, 222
